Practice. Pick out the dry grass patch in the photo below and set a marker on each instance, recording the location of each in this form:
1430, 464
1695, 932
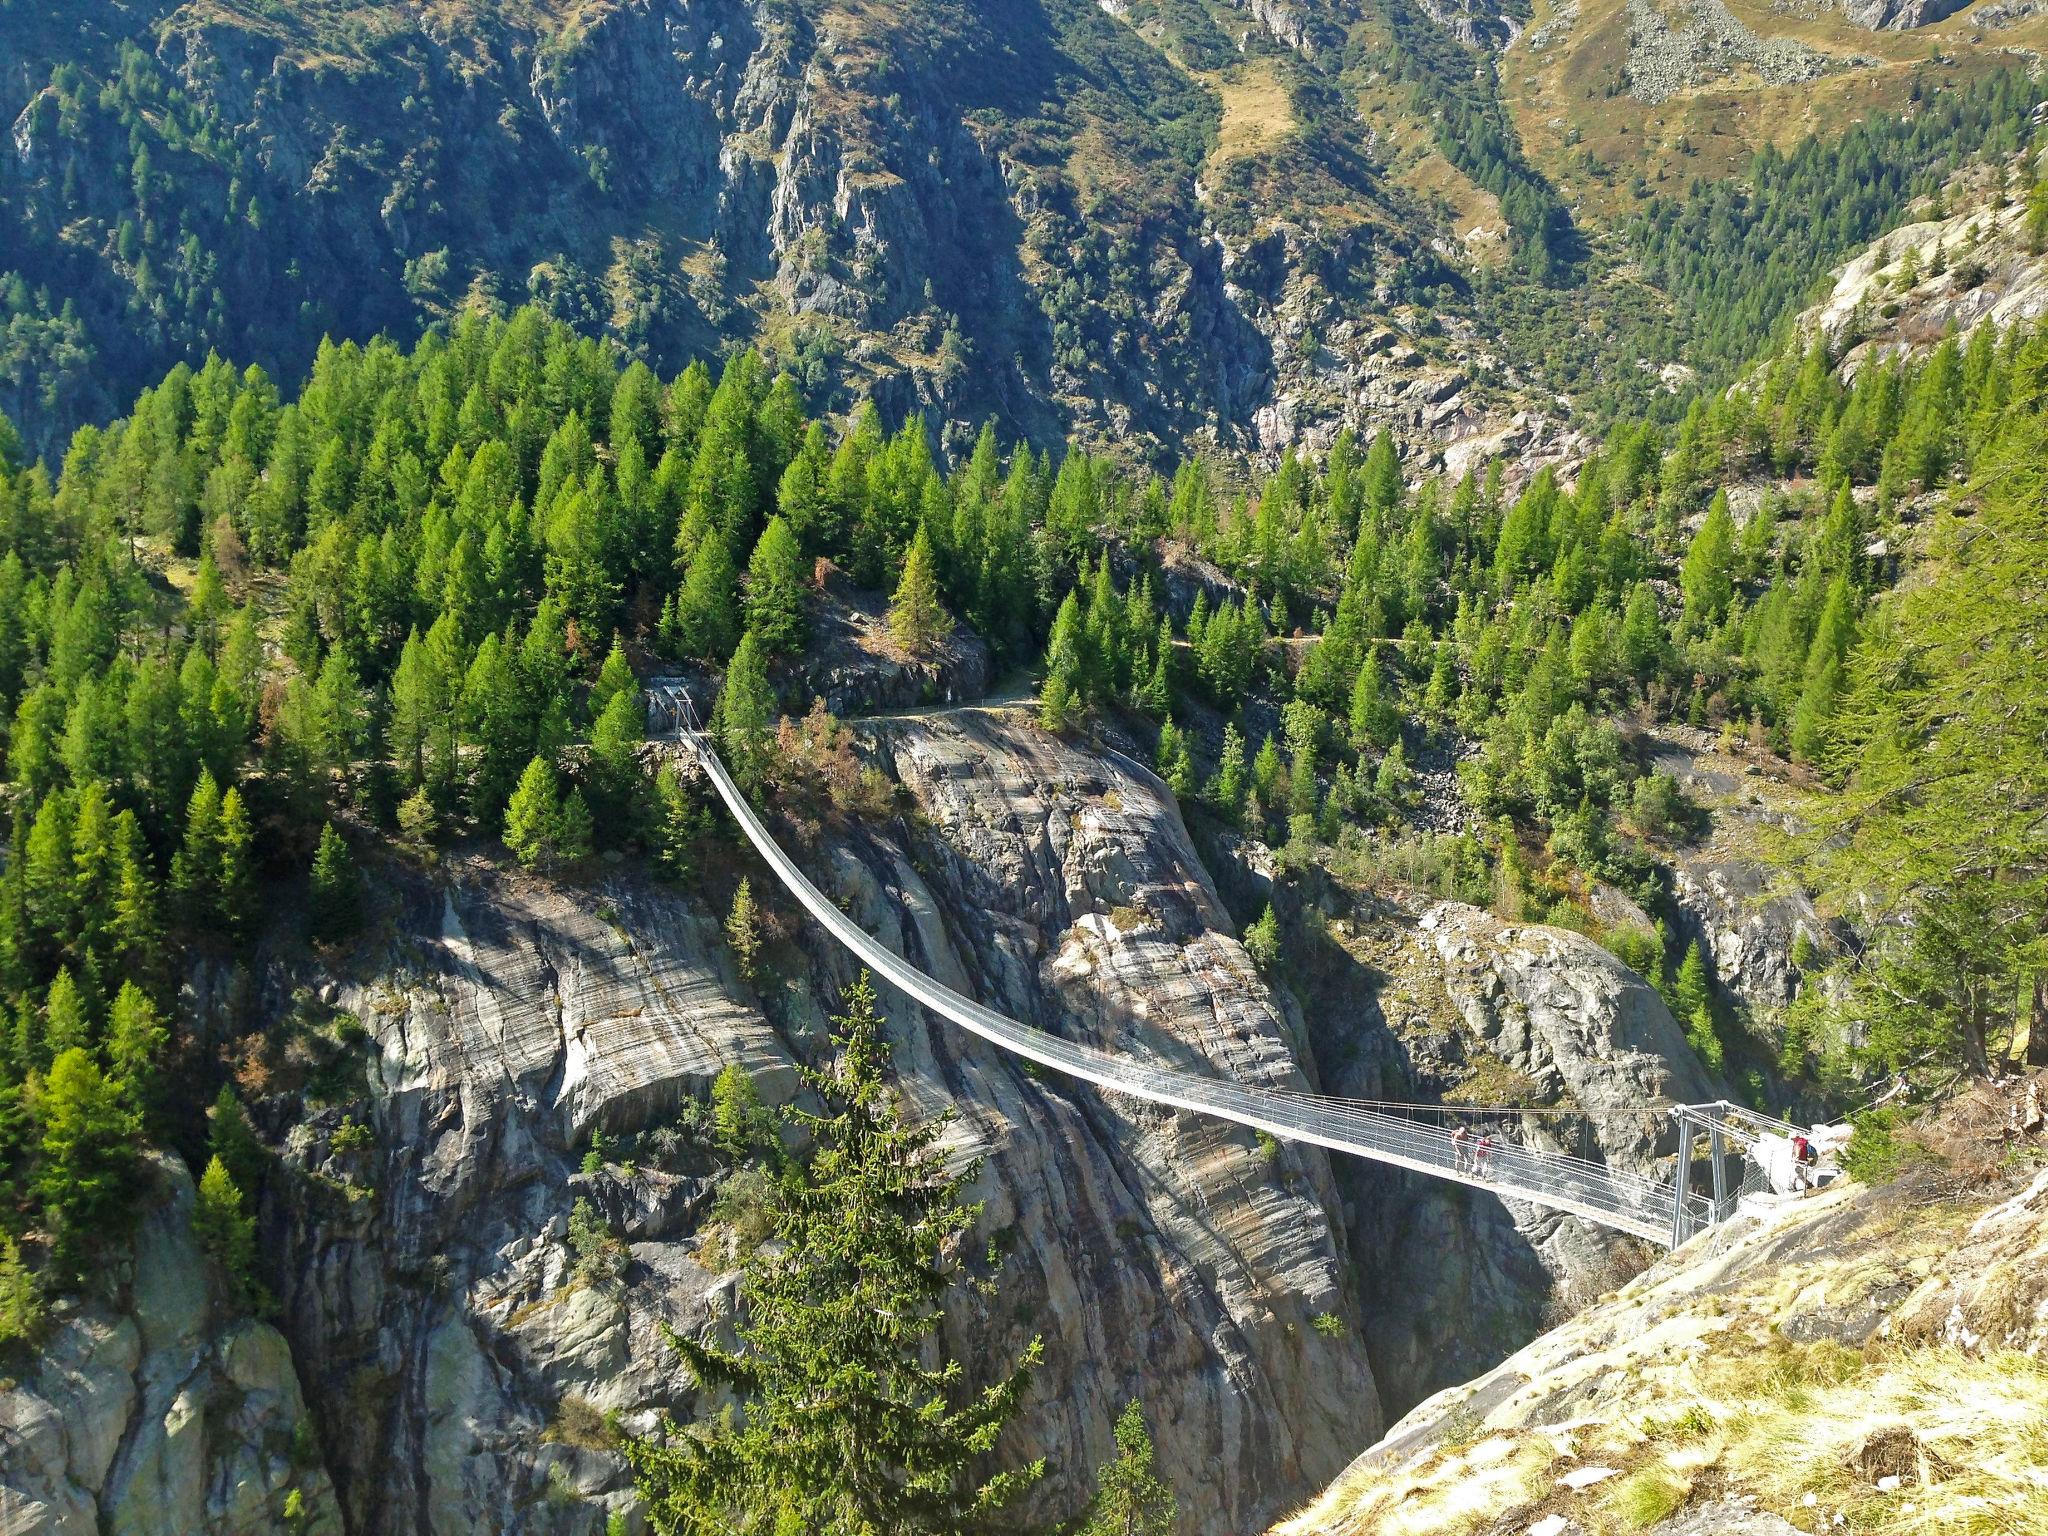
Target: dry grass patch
1258, 112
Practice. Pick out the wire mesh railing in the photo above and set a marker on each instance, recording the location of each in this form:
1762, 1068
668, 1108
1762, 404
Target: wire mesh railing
1646, 1207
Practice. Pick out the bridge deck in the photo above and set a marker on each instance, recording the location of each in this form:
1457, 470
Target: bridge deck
1558, 1181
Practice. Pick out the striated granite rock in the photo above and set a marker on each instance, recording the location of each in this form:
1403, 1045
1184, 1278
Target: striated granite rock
149, 1413
450, 1339
458, 1353
1449, 1003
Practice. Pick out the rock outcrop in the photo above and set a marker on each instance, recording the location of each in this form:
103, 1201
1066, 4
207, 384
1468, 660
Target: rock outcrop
1910, 288
516, 1047
1855, 1351
460, 1355
152, 1412
1899, 15
1445, 1003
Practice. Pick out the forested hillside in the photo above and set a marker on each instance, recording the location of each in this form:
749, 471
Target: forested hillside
1144, 229
405, 592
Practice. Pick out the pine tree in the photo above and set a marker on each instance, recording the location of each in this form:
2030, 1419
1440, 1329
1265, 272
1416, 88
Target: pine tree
917, 618
1262, 940
744, 720
226, 1232
233, 1140
1693, 1002
65, 1024
87, 1160
22, 1310
1374, 722
337, 898
682, 824
235, 877
707, 612
848, 1294
1228, 789
616, 778
533, 816
613, 678
422, 701
1130, 1499
1176, 765
739, 1121
1056, 703
573, 829
777, 592
1707, 578
743, 929
136, 1038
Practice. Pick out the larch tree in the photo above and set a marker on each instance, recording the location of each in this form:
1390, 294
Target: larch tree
848, 1428
778, 592
917, 617
1131, 1499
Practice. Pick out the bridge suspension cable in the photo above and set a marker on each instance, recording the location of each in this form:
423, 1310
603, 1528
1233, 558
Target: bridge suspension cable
1658, 1210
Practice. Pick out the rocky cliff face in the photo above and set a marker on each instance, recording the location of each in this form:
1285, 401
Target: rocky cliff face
1975, 266
1865, 1355
1447, 1003
445, 1353
150, 1411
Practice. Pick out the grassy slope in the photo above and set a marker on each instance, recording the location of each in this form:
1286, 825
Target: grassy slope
1736, 1371
1559, 95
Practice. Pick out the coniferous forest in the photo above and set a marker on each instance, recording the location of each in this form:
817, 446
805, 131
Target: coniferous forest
1130, 394
412, 596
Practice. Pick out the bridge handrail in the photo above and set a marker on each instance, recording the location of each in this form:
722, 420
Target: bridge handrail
1559, 1181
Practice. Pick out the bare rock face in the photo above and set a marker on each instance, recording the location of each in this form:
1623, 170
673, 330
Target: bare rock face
151, 1413
459, 1348
1916, 284
519, 1047
1899, 15
1064, 884
1447, 1003
1577, 1023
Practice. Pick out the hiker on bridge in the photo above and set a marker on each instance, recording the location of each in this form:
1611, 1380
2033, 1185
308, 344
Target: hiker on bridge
1460, 1148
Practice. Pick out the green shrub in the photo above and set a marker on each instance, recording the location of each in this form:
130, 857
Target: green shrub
1647, 1495
745, 1206
1877, 1153
600, 1257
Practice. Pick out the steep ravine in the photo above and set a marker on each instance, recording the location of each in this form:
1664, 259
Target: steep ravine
454, 1360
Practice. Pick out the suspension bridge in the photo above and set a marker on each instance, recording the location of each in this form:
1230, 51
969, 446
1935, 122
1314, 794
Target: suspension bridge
1664, 1211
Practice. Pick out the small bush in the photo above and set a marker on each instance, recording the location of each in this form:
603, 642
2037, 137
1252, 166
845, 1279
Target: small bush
745, 1207
600, 1257
1647, 1495
1329, 1325
1877, 1153
1262, 941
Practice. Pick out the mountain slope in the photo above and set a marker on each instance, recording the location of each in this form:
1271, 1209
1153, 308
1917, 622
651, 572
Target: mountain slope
1179, 226
1871, 1360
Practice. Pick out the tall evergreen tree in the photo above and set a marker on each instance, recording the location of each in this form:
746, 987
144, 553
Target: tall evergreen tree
1130, 1498
743, 720
849, 1429
917, 618
777, 590
336, 897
